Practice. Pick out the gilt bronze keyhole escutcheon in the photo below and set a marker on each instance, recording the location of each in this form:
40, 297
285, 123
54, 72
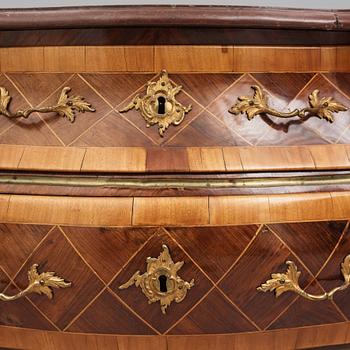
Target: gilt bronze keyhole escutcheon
159, 105
161, 282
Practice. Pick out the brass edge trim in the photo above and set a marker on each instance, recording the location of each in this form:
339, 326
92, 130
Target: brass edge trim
76, 181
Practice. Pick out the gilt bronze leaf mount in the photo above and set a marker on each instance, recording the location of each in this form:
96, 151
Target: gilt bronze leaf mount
289, 282
323, 107
160, 282
42, 283
66, 106
159, 105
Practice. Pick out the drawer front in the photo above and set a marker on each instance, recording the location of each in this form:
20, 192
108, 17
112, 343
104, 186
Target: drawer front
227, 264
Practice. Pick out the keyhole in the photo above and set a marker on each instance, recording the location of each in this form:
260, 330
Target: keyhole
161, 105
162, 283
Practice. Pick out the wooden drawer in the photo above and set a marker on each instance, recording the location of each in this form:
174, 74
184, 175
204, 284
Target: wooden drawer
227, 263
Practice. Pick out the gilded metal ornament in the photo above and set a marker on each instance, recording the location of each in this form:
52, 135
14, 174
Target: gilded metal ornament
39, 283
66, 106
159, 105
160, 282
289, 282
322, 108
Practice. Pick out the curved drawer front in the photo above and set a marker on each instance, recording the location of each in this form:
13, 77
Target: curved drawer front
227, 264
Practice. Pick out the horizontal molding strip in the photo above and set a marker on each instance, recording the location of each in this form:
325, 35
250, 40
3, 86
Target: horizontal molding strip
175, 58
171, 25
175, 211
284, 339
183, 182
176, 15
174, 160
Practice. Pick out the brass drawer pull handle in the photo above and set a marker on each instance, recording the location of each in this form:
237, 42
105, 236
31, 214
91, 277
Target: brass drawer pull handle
65, 107
160, 282
159, 105
289, 282
322, 108
39, 283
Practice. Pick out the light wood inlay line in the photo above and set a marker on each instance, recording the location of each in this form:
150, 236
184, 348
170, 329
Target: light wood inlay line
39, 115
12, 281
313, 280
216, 284
132, 310
31, 254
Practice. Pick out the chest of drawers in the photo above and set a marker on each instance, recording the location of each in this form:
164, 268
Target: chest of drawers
167, 218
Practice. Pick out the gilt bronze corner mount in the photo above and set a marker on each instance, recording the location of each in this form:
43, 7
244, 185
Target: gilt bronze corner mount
159, 105
66, 106
289, 282
322, 108
39, 283
160, 282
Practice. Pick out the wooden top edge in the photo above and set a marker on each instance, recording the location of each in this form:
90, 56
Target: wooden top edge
183, 16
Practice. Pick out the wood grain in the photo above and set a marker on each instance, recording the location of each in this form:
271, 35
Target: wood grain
139, 59
117, 159
119, 58
167, 160
52, 158
69, 210
35, 339
175, 211
243, 17
194, 58
64, 59
10, 156
342, 58
171, 211
299, 207
328, 58
22, 59
4, 203
205, 159
175, 58
232, 159
282, 158
105, 59
330, 157
299, 338
190, 159
341, 204
279, 59
238, 210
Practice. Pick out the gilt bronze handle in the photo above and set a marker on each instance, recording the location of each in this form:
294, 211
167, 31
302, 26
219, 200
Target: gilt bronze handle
39, 283
322, 108
66, 106
289, 282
